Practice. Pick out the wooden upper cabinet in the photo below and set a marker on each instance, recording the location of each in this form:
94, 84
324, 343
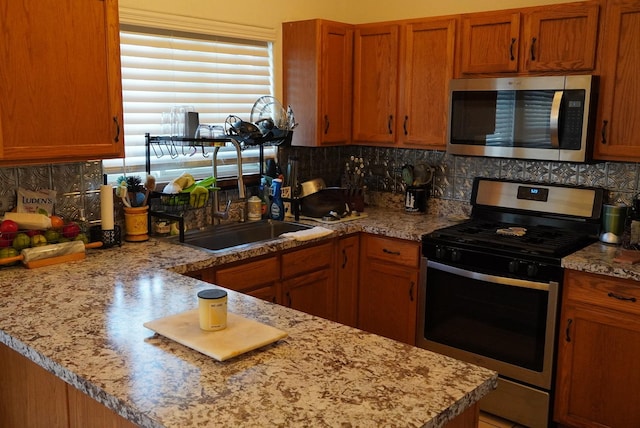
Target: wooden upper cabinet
489, 42
60, 81
375, 92
317, 80
618, 126
561, 37
550, 38
426, 67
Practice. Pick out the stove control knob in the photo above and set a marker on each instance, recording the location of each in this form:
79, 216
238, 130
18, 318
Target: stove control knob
513, 266
456, 255
532, 270
441, 252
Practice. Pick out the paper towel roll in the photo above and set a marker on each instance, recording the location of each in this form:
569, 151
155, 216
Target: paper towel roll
106, 206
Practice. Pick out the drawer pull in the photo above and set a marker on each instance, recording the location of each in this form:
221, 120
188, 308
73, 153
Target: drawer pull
513, 43
393, 253
619, 297
411, 291
344, 258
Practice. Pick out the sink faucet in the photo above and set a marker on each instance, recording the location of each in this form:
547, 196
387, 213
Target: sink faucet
241, 194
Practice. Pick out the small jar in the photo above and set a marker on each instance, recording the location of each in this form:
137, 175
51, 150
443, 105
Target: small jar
212, 309
255, 208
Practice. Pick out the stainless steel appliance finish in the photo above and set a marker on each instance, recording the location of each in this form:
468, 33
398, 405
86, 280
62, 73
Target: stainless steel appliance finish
490, 287
544, 118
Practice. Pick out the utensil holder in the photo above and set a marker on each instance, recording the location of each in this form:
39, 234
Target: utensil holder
136, 223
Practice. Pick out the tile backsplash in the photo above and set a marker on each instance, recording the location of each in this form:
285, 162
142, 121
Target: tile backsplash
78, 184
453, 175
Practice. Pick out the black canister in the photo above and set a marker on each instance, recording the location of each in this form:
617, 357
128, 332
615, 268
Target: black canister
415, 200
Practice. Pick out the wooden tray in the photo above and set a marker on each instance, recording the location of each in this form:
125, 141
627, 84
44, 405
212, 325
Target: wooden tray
241, 335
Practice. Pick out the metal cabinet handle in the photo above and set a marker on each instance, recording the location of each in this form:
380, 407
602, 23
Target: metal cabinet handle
344, 258
404, 125
568, 331
604, 131
411, 291
289, 299
393, 253
117, 137
389, 124
326, 123
533, 49
513, 43
623, 298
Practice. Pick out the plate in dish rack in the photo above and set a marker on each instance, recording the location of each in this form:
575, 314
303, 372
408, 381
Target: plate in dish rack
241, 335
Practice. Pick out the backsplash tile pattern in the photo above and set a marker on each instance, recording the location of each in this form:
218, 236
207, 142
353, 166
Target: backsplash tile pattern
78, 184
454, 174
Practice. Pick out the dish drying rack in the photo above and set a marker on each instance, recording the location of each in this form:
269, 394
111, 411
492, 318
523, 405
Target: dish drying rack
173, 207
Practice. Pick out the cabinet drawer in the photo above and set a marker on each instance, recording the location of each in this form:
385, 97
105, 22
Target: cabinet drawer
391, 250
249, 275
307, 260
598, 290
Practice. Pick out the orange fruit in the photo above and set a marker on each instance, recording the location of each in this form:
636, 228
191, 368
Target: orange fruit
56, 222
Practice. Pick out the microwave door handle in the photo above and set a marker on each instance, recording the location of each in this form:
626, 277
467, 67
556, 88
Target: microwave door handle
554, 119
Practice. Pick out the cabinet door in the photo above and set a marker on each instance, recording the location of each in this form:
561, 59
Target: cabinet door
311, 293
347, 284
489, 42
60, 79
257, 278
318, 80
387, 301
427, 50
598, 380
336, 84
375, 84
618, 126
561, 37
598, 370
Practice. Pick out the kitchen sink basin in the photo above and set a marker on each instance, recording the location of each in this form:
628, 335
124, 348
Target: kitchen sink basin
226, 236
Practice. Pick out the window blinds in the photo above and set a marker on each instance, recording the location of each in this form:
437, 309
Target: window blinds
218, 76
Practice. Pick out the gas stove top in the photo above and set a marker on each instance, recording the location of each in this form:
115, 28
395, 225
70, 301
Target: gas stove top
517, 223
514, 238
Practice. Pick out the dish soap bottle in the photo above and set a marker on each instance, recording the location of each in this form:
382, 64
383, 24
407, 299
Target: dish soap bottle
277, 206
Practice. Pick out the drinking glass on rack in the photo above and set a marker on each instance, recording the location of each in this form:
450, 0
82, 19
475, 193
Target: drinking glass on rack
204, 131
166, 123
179, 115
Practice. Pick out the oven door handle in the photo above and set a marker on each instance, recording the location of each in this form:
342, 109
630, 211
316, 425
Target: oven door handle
488, 278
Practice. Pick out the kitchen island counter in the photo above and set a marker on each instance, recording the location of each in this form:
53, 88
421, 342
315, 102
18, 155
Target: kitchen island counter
83, 322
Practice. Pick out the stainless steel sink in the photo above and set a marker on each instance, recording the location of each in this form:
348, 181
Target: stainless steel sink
225, 236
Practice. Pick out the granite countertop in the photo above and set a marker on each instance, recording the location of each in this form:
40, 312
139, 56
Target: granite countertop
83, 321
600, 258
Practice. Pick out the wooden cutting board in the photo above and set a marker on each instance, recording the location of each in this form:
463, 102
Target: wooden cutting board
241, 335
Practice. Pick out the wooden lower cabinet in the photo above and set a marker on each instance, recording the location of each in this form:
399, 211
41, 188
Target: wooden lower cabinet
598, 381
387, 303
347, 264
308, 280
258, 278
32, 397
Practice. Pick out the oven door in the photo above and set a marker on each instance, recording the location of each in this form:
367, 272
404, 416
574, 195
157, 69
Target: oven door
501, 323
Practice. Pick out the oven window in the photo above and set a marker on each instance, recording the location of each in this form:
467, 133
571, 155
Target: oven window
502, 322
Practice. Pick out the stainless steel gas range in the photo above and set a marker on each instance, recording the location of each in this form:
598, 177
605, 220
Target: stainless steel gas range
491, 287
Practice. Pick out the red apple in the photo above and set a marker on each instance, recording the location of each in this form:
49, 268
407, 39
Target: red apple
33, 232
5, 242
70, 230
8, 229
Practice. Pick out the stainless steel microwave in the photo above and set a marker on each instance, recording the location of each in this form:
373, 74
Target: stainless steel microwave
543, 118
